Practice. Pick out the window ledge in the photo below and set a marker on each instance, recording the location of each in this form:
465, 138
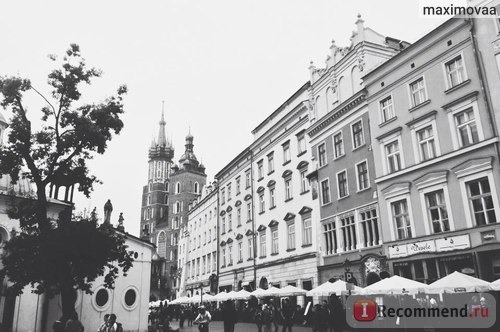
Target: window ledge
342, 155
291, 249
307, 245
305, 192
262, 257
364, 189
272, 207
261, 212
287, 162
322, 166
288, 200
302, 153
260, 179
343, 197
270, 172
228, 265
422, 104
239, 225
458, 86
250, 220
394, 118
326, 204
274, 253
250, 259
240, 261
222, 233
359, 147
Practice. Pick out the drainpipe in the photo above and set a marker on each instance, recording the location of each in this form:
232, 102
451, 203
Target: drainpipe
218, 239
484, 83
253, 224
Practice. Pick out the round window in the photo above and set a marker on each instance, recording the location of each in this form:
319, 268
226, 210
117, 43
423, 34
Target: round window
130, 297
101, 297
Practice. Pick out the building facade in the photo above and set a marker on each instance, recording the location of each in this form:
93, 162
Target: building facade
198, 245
436, 161
236, 231
351, 240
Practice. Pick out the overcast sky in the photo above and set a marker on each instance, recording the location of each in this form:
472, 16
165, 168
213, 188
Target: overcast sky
221, 67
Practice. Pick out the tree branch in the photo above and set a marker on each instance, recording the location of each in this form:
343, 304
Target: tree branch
46, 100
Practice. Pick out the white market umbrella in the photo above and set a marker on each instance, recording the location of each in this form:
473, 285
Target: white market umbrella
197, 298
495, 285
222, 296
329, 288
395, 285
271, 291
457, 282
258, 292
291, 291
241, 295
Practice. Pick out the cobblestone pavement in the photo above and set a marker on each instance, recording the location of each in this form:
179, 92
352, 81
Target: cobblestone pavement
240, 327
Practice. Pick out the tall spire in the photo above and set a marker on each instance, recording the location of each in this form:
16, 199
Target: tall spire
162, 139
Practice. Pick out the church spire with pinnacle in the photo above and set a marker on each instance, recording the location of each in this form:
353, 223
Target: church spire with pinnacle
162, 138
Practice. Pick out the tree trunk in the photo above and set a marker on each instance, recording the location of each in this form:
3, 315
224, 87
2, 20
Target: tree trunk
68, 298
41, 208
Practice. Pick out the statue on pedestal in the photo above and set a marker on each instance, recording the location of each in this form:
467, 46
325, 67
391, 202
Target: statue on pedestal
108, 208
120, 226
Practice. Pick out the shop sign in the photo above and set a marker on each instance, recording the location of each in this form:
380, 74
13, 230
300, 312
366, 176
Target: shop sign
453, 243
488, 236
421, 247
398, 251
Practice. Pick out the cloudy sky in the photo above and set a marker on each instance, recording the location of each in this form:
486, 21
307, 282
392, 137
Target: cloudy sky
221, 66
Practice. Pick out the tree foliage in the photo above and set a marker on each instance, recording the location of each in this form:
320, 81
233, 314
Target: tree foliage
60, 255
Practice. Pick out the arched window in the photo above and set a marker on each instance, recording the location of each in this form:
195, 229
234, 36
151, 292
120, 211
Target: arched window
167, 186
330, 98
149, 199
178, 188
177, 207
356, 79
196, 187
161, 244
320, 107
344, 89
166, 199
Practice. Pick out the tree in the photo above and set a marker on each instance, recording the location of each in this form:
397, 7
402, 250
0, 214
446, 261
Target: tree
66, 254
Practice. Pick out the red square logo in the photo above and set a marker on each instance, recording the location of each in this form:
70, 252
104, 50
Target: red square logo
365, 310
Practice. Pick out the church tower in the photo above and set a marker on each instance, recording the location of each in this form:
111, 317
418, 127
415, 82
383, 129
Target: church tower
154, 208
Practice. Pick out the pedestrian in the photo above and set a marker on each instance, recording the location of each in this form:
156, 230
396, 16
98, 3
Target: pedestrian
182, 317
287, 315
229, 316
102, 328
258, 319
73, 324
275, 314
267, 317
113, 325
203, 319
189, 314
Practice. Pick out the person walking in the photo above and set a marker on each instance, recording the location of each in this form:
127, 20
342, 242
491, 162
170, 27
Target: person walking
203, 319
287, 315
267, 317
102, 328
258, 319
113, 325
229, 316
73, 324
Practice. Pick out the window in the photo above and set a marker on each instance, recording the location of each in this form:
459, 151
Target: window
178, 188
362, 175
249, 211
240, 251
270, 162
203, 265
348, 230
417, 92
393, 156
466, 127
149, 199
209, 235
357, 134
223, 195
223, 256
342, 184
272, 200
322, 155
229, 191
260, 169
230, 254
198, 266
291, 236
262, 237
238, 185
288, 188
437, 212
386, 109
196, 188
223, 225
306, 231
274, 241
214, 261
238, 216
199, 240
250, 248
338, 145
330, 234
425, 138
369, 227
301, 143
229, 221
247, 179
214, 234
325, 191
455, 71
481, 201
401, 219
177, 207
286, 152
262, 205
304, 183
